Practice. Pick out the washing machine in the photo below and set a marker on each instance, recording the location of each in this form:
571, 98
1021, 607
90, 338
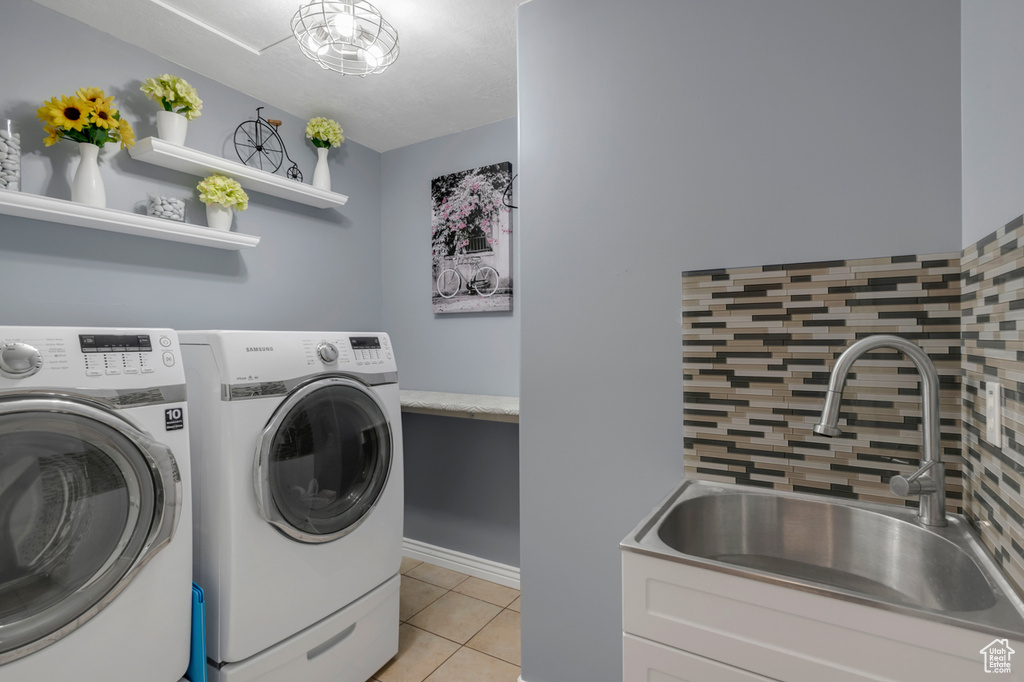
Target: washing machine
95, 510
298, 494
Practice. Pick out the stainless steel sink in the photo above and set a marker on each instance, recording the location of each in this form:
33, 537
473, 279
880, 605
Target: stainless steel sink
874, 554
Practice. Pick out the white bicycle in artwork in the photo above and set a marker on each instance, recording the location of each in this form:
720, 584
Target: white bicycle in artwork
483, 279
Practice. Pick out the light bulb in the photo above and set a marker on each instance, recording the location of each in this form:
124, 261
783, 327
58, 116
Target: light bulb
312, 44
344, 24
372, 56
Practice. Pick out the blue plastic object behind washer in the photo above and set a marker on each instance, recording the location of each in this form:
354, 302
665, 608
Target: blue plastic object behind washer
197, 660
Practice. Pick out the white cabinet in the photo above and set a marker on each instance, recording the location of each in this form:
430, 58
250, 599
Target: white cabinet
647, 661
754, 630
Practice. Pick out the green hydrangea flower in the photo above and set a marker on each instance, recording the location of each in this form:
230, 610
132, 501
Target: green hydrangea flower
174, 94
220, 189
324, 132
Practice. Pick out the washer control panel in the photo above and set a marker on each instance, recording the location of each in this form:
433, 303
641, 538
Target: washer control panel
18, 360
114, 354
83, 356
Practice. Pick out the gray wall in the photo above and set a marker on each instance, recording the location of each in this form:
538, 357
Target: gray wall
313, 268
462, 476
993, 97
736, 132
462, 485
993, 173
475, 353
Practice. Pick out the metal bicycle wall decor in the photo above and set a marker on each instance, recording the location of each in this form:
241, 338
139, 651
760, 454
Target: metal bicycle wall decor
259, 145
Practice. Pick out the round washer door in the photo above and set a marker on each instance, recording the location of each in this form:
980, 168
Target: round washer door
86, 499
323, 460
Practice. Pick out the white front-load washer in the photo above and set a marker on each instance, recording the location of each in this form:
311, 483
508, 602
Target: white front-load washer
298, 493
95, 506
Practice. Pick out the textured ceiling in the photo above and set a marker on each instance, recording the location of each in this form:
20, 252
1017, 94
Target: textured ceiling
456, 70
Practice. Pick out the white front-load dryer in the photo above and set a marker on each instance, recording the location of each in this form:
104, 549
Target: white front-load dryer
95, 506
298, 492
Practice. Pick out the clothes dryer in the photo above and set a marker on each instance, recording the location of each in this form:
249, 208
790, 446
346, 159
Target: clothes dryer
95, 506
298, 491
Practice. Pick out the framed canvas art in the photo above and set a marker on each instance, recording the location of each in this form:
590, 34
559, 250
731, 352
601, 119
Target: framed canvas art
472, 240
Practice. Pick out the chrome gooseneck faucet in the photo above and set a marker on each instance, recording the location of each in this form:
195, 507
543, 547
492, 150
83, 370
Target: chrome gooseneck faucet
930, 480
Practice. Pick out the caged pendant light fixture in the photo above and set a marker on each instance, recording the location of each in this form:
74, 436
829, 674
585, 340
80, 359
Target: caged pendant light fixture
348, 36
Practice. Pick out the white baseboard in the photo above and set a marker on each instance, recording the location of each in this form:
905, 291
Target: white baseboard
485, 569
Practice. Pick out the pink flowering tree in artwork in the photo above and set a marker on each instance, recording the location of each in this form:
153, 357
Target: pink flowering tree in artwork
467, 207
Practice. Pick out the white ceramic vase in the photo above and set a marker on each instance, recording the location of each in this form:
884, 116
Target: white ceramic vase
219, 217
87, 186
322, 174
171, 127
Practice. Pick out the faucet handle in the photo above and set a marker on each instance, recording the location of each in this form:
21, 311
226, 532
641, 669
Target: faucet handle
917, 483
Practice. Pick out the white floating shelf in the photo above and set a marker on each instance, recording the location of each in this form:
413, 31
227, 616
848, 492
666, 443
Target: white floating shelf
466, 405
39, 207
162, 153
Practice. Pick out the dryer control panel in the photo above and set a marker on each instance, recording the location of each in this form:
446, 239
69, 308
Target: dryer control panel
371, 350
350, 350
89, 358
245, 357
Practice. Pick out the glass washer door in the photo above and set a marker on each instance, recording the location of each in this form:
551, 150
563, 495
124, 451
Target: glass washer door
85, 500
323, 460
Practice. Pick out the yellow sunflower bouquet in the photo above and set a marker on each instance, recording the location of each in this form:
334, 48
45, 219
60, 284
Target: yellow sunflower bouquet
87, 116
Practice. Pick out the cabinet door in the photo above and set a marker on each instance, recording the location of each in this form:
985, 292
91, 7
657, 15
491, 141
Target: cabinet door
647, 661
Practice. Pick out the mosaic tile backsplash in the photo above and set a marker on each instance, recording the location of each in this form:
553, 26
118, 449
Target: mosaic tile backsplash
758, 347
759, 342
993, 349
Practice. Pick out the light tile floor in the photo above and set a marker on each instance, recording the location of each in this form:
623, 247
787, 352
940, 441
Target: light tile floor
454, 628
